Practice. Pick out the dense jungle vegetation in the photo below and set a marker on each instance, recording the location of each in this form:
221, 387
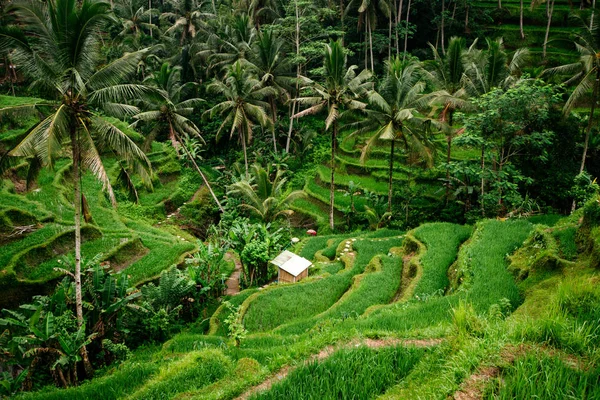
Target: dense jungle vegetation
435, 160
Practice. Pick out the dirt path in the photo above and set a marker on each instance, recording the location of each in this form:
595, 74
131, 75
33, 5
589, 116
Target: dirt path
233, 282
329, 350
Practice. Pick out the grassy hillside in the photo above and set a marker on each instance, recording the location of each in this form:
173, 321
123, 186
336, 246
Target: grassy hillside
36, 229
439, 311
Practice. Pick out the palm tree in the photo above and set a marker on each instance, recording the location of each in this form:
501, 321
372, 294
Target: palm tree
184, 20
341, 90
244, 106
227, 42
135, 19
549, 12
448, 72
273, 71
488, 69
393, 115
265, 193
58, 45
367, 15
169, 113
586, 73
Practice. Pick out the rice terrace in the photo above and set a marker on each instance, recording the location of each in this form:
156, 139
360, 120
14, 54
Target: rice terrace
303, 199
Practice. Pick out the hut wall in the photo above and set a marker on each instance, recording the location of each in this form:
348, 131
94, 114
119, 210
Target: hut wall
285, 277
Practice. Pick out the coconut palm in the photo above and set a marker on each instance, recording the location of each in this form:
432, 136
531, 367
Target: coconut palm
342, 90
273, 71
58, 45
168, 112
244, 106
488, 69
184, 20
393, 115
227, 42
135, 20
447, 73
586, 74
265, 194
492, 67
367, 15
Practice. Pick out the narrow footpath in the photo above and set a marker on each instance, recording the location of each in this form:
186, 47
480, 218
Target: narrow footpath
233, 282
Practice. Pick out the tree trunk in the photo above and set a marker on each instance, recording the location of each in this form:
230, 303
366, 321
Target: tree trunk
499, 4
590, 120
214, 196
482, 178
592, 16
588, 129
443, 23
391, 177
366, 46
467, 19
398, 20
549, 12
274, 114
448, 157
390, 34
406, 32
332, 186
243, 139
521, 21
371, 43
289, 138
77, 275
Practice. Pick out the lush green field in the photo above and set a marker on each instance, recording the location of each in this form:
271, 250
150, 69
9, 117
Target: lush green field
348, 374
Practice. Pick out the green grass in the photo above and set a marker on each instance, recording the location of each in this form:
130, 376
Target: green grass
295, 302
117, 384
217, 325
539, 376
378, 285
363, 181
442, 241
315, 244
482, 265
191, 372
341, 202
360, 373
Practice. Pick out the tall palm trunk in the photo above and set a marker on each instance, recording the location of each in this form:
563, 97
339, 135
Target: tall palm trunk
274, 114
588, 129
443, 27
592, 16
590, 120
391, 177
77, 275
398, 20
390, 35
289, 138
212, 193
467, 18
482, 178
291, 127
370, 42
549, 12
521, 21
448, 157
332, 186
406, 32
243, 139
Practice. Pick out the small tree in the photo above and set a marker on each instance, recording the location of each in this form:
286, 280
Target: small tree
235, 326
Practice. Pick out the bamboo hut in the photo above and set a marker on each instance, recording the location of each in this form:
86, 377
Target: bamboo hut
290, 267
